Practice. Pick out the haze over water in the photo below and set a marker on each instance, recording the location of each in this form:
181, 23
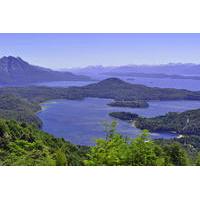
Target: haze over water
188, 84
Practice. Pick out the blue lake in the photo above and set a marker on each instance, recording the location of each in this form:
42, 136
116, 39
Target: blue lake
188, 84
193, 85
64, 83
81, 121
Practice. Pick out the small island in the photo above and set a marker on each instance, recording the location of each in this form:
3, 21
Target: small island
130, 104
124, 115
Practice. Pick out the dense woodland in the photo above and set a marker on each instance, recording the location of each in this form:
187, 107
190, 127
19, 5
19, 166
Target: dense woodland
182, 123
124, 115
22, 144
16, 108
141, 151
130, 104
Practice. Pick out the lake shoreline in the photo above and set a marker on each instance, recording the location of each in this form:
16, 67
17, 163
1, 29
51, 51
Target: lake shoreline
72, 127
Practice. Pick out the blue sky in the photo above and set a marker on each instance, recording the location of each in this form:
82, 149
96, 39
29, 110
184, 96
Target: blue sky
79, 50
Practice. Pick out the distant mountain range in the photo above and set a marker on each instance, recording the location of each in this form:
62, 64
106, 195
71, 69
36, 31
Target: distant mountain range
171, 70
14, 70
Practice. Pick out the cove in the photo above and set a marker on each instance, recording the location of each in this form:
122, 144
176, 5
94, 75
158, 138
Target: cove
81, 121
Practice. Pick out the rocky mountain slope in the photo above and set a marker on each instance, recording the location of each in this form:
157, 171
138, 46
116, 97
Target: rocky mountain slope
14, 70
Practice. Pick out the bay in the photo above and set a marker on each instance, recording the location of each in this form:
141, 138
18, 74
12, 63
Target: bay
81, 121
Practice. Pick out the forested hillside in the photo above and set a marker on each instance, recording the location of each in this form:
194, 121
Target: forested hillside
16, 108
111, 88
22, 144
184, 123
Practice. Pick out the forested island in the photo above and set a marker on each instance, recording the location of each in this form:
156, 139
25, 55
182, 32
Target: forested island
124, 115
130, 104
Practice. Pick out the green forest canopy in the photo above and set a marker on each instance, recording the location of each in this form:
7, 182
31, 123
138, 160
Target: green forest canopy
22, 144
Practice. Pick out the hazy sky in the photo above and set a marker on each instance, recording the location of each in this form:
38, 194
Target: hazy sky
79, 50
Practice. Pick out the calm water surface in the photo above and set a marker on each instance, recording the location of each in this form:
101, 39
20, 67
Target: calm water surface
64, 83
81, 121
193, 85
